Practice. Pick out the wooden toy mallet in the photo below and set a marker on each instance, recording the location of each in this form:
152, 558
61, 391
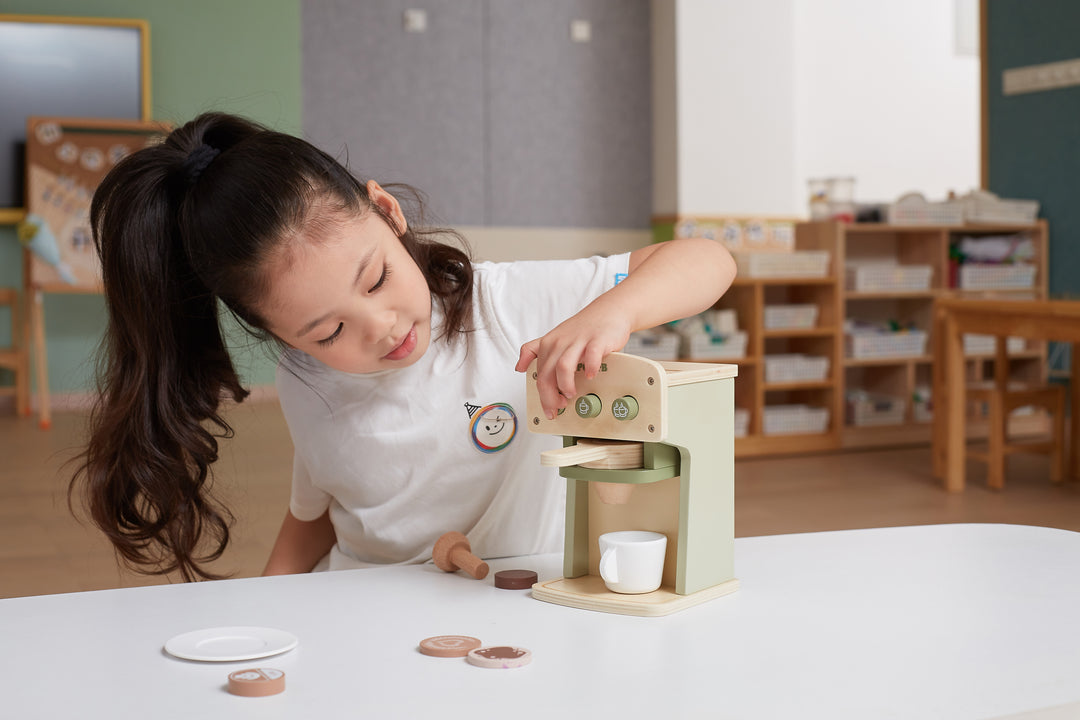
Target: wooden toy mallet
453, 552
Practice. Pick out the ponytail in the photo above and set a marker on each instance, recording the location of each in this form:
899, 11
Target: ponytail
163, 371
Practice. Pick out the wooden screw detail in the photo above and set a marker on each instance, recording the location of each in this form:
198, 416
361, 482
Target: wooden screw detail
452, 552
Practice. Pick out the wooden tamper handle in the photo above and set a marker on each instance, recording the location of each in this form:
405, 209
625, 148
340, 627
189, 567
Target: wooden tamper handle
452, 552
597, 454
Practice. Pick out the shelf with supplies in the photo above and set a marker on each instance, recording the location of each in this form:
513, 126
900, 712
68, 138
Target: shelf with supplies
792, 393
851, 308
893, 274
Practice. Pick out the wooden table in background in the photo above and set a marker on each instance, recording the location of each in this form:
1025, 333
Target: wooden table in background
1056, 320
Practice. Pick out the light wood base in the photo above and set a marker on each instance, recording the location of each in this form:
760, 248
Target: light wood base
588, 592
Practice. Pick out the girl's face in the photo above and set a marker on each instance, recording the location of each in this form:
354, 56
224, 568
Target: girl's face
352, 298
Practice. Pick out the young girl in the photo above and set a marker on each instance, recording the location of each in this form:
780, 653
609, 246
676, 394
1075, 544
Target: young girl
396, 374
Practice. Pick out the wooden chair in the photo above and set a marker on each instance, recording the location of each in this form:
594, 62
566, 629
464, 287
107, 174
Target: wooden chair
1001, 398
16, 357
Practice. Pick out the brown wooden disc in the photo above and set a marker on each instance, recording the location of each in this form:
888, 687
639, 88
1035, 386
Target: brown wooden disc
515, 579
448, 645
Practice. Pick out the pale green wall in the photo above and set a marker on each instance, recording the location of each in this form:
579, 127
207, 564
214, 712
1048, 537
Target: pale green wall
240, 56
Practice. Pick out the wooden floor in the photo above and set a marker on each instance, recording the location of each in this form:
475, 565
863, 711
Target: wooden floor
44, 549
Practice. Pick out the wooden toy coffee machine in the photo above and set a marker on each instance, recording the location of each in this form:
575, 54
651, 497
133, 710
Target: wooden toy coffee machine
647, 446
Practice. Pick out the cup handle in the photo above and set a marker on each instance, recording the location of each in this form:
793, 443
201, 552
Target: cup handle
609, 569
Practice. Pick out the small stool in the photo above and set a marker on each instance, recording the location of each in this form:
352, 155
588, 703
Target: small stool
1000, 404
15, 357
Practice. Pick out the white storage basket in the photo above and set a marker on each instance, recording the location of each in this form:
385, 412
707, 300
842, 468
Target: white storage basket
795, 367
981, 276
790, 317
914, 209
888, 277
985, 344
653, 345
863, 344
704, 346
985, 207
801, 263
794, 419
866, 409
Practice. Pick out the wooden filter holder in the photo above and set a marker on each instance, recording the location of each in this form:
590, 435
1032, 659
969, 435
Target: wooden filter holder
682, 484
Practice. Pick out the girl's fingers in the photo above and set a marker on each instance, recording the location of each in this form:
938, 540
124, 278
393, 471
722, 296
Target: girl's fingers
552, 393
591, 359
529, 352
557, 367
547, 384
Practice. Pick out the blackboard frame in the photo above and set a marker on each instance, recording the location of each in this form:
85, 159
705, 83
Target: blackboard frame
55, 60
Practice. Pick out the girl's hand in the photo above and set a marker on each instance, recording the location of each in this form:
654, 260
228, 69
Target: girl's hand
585, 339
664, 282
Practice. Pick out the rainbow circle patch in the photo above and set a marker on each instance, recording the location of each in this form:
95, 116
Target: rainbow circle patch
493, 427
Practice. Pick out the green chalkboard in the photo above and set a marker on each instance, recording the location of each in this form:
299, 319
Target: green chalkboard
1033, 143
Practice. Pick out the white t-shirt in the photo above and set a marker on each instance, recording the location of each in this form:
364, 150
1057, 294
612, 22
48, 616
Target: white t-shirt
402, 456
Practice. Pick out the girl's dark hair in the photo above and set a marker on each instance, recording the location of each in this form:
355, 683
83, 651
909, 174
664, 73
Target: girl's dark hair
179, 226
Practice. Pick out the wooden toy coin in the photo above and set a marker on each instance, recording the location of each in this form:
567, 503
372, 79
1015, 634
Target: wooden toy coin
502, 656
515, 579
256, 682
449, 645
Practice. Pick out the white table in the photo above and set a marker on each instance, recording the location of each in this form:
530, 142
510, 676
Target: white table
947, 621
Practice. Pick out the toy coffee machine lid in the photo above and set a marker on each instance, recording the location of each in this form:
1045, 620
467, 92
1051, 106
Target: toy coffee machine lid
627, 400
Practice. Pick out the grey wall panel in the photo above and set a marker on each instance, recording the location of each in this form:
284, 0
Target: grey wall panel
493, 111
571, 126
407, 107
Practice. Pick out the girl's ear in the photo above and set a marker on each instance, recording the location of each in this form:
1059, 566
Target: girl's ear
389, 205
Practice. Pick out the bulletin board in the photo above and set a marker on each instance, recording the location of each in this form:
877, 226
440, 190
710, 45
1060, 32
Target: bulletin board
66, 159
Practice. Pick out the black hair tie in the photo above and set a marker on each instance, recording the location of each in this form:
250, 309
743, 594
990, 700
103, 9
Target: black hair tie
197, 161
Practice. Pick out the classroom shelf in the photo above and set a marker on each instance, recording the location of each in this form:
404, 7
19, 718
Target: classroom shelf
904, 376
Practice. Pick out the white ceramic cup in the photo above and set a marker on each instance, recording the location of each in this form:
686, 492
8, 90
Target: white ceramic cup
632, 561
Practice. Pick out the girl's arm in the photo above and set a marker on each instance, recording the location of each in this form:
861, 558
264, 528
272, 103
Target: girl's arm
300, 545
667, 281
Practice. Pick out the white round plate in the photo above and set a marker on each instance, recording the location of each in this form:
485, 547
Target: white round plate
228, 644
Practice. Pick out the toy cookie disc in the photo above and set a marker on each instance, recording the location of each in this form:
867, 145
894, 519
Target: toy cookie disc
502, 656
256, 682
449, 645
515, 579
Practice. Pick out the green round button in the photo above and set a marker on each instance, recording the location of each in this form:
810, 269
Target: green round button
625, 408
587, 406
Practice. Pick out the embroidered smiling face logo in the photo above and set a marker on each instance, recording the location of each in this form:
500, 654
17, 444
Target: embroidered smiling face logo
493, 427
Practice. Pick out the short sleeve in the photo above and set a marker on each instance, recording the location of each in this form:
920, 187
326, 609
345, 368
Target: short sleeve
307, 501
527, 299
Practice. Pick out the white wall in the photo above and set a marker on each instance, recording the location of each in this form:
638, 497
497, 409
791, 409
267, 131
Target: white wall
773, 92
882, 94
736, 102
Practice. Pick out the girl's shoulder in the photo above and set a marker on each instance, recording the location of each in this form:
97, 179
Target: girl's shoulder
525, 272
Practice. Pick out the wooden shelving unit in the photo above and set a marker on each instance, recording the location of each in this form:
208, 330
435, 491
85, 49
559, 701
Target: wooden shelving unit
902, 376
749, 296
893, 376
